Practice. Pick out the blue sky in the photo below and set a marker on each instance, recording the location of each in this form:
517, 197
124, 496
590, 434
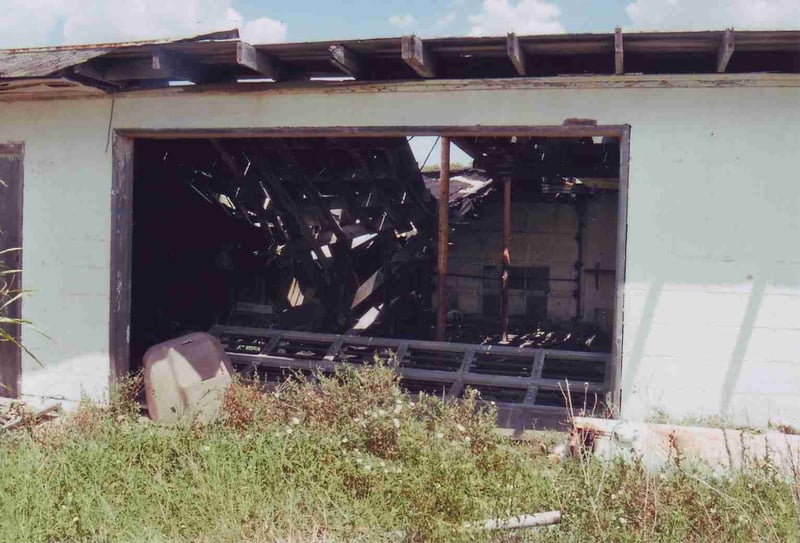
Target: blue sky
323, 20
28, 23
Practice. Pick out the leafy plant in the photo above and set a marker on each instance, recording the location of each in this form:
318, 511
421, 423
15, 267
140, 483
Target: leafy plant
9, 295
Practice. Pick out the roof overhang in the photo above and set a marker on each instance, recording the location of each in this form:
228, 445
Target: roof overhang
221, 59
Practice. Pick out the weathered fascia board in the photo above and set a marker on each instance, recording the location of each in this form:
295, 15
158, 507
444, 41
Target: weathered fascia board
346, 61
257, 61
517, 54
725, 50
601, 82
417, 55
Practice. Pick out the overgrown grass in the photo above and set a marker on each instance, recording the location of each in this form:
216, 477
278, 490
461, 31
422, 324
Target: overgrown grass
350, 458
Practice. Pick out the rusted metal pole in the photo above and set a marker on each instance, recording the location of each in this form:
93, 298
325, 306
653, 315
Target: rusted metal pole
506, 257
444, 235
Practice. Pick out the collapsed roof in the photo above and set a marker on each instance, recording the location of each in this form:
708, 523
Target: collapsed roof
346, 223
222, 58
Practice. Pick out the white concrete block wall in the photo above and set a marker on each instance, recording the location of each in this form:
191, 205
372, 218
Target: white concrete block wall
543, 234
713, 269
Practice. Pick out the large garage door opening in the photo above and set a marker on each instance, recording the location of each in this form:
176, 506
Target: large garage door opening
492, 265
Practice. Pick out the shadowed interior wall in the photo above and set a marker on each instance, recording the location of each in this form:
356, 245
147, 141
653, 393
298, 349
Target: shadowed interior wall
713, 275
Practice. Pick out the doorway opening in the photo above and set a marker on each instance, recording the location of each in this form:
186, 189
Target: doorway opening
302, 252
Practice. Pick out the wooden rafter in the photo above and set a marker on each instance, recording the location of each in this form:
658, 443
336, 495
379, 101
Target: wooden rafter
619, 66
160, 65
257, 61
725, 50
345, 60
516, 54
87, 74
417, 55
467, 145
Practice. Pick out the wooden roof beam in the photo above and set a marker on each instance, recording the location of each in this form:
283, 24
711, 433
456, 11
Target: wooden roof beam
257, 61
346, 61
619, 66
162, 64
417, 55
516, 54
467, 145
88, 74
725, 50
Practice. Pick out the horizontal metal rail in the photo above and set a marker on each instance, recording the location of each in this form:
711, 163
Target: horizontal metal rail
327, 353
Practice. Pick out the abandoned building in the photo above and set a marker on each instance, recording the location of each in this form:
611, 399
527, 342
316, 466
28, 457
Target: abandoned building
619, 236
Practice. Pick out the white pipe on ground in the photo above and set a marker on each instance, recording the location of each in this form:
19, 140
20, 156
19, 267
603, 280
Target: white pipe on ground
521, 521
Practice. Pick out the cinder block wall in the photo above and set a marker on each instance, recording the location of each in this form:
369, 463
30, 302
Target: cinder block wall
542, 234
711, 324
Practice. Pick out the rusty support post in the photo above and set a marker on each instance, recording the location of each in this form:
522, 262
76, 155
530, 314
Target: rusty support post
506, 256
444, 235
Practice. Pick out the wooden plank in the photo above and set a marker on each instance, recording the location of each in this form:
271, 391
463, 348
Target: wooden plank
619, 67
346, 61
614, 364
121, 249
443, 239
257, 61
417, 55
11, 191
516, 54
521, 131
725, 50
570, 82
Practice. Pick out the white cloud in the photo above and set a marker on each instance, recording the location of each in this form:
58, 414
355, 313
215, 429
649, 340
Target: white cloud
264, 30
443, 22
523, 17
402, 21
714, 14
28, 23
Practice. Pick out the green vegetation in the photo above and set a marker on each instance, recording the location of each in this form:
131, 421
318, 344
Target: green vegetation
10, 294
350, 458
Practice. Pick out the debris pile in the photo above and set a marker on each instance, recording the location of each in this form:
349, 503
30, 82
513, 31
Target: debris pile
585, 338
343, 227
656, 446
467, 189
16, 414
